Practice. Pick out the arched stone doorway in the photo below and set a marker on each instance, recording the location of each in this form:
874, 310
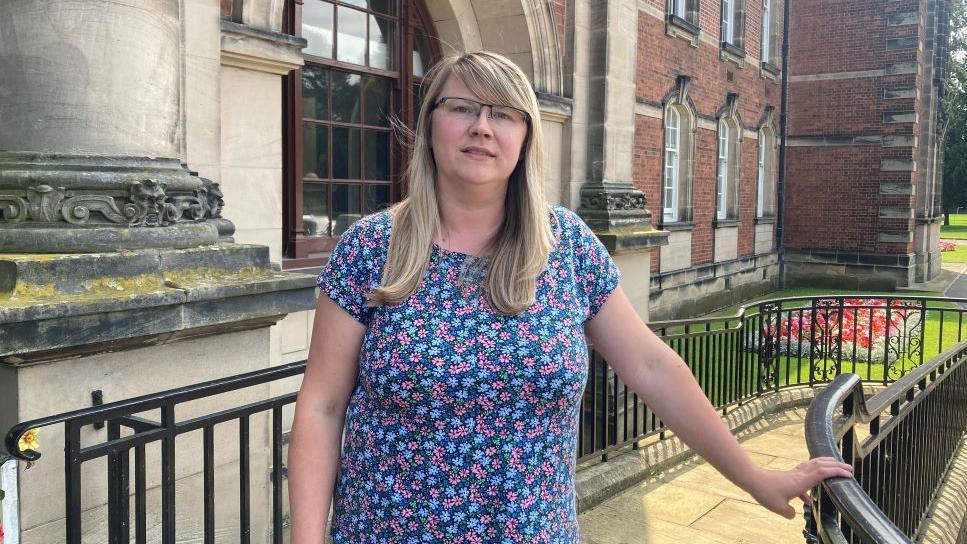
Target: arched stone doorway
524, 30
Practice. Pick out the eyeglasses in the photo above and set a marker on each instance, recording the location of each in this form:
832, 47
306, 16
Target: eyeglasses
468, 111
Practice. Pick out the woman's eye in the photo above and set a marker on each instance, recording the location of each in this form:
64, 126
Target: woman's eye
461, 109
503, 115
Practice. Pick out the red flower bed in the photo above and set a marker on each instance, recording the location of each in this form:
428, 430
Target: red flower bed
862, 325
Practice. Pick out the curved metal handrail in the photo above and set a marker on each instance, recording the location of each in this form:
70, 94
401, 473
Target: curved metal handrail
824, 429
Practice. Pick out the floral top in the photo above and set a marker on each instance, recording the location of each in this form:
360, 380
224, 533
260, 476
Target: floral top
462, 425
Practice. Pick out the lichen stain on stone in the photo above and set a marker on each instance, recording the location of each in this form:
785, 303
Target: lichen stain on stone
31, 293
187, 277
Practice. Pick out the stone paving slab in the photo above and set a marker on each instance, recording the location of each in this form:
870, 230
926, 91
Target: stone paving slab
693, 503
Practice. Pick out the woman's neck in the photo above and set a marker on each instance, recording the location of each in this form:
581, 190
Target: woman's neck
469, 219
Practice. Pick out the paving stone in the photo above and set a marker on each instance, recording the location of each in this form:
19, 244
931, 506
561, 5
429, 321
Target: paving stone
694, 503
743, 522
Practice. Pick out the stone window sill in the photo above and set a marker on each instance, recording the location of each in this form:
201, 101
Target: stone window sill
771, 68
682, 24
732, 53
682, 28
765, 220
770, 71
723, 223
677, 225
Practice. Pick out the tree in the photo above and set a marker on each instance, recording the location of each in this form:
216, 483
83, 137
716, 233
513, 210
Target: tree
955, 104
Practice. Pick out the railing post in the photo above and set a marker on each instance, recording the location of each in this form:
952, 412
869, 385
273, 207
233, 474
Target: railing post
72, 495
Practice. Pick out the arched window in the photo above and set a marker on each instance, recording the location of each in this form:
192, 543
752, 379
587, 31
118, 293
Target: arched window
727, 172
766, 173
364, 62
722, 187
672, 165
677, 163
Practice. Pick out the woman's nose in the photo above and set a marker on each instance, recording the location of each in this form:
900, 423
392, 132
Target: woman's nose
481, 125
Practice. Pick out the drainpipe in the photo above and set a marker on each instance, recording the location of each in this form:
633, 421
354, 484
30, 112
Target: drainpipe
781, 182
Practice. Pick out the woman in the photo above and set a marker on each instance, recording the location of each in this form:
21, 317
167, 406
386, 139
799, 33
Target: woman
452, 328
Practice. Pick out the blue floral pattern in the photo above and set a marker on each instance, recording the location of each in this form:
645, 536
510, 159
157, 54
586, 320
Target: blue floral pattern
462, 425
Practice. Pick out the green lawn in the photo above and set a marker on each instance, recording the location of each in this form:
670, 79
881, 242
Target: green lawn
958, 255
957, 229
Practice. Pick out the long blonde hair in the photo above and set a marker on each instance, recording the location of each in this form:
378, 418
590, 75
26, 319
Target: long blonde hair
524, 240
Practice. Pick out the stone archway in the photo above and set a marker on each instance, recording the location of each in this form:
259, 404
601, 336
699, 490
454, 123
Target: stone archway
523, 30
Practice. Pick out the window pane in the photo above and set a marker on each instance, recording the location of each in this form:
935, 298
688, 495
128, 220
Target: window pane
345, 153
315, 209
377, 197
345, 206
315, 92
315, 151
360, 3
317, 28
377, 155
376, 95
382, 43
345, 97
421, 54
383, 6
351, 44
418, 95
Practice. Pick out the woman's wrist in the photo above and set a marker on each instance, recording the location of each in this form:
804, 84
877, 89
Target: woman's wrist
751, 478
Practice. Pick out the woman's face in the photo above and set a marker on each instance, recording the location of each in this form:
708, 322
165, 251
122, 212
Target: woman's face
477, 151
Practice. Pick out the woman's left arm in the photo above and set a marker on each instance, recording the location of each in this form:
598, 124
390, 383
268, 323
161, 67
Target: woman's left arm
653, 370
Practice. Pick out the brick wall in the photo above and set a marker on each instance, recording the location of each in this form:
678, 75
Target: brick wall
661, 58
833, 192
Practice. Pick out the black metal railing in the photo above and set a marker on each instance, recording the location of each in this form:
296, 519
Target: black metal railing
129, 434
763, 348
771, 345
900, 443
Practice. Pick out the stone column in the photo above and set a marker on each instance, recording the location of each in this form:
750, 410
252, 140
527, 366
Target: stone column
117, 273
610, 204
92, 146
609, 200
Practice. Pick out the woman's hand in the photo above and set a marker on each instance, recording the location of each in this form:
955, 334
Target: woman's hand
774, 489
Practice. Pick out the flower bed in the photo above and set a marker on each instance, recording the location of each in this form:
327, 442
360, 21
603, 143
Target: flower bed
861, 328
947, 246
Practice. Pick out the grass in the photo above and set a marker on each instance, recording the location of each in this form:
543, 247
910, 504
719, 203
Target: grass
957, 229
958, 255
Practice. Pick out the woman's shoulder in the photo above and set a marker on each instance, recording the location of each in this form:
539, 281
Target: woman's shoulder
568, 225
372, 230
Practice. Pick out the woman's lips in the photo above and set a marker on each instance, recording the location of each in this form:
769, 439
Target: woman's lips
478, 152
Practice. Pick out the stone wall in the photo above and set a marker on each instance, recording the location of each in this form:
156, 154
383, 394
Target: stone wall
699, 290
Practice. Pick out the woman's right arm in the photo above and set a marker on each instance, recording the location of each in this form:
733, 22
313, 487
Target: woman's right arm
320, 413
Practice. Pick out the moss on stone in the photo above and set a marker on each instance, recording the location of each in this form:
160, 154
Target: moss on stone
208, 275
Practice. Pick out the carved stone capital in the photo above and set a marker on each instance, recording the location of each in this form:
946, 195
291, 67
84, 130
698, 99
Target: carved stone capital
56, 203
617, 214
608, 205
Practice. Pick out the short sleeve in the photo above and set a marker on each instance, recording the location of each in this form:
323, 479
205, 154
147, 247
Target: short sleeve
596, 273
352, 270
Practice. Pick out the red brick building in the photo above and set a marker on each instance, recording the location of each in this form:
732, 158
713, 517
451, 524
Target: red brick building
708, 97
858, 176
864, 145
